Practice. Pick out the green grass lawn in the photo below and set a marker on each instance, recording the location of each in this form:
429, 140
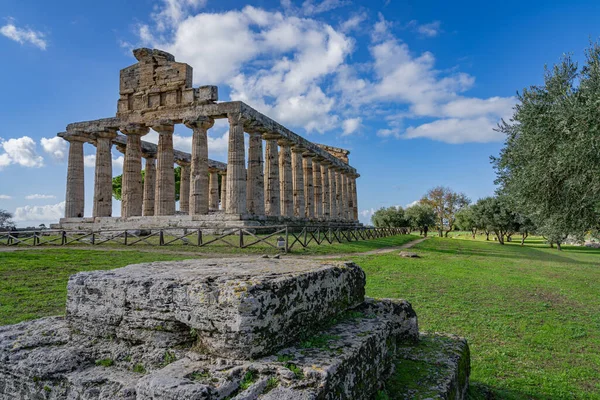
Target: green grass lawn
531, 314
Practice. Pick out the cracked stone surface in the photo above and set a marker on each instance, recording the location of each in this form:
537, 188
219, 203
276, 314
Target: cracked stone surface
239, 307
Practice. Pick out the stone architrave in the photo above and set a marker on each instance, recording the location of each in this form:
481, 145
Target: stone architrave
333, 213
285, 179
213, 190
75, 196
272, 191
149, 184
309, 193
236, 166
326, 190
199, 185
298, 182
131, 185
255, 190
223, 190
103, 174
164, 202
318, 188
184, 187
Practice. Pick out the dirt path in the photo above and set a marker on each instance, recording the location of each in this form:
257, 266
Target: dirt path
378, 251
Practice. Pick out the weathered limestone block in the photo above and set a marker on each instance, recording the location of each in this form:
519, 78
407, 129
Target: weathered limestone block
239, 308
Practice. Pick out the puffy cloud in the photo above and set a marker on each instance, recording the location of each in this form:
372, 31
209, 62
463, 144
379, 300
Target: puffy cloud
20, 151
39, 196
56, 147
23, 35
5, 197
350, 126
48, 213
173, 11
455, 130
117, 163
89, 161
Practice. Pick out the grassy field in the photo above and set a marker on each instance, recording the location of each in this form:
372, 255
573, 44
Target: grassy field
531, 314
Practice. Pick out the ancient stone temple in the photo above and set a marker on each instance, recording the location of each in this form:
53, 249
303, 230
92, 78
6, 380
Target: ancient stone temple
284, 178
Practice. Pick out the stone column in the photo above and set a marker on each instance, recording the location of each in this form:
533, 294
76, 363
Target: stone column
75, 196
318, 189
184, 187
149, 184
103, 174
131, 185
272, 194
223, 190
199, 185
333, 214
339, 195
326, 195
354, 198
309, 193
213, 189
164, 202
255, 184
285, 179
298, 182
348, 198
236, 166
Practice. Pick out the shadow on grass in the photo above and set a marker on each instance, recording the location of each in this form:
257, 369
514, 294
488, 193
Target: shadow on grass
478, 391
510, 251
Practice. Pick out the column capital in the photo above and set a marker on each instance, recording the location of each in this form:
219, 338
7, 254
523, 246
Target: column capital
255, 133
296, 148
236, 118
121, 148
145, 154
183, 163
271, 136
165, 126
106, 133
79, 136
284, 142
200, 122
134, 129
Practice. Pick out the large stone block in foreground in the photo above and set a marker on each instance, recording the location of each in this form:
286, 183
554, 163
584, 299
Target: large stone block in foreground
237, 308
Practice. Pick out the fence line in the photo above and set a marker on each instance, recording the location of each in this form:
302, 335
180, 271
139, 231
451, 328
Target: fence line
280, 237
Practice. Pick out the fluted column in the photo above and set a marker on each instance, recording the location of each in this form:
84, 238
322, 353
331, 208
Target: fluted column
255, 184
149, 184
339, 195
103, 174
309, 194
199, 184
131, 185
236, 166
344, 197
223, 189
285, 179
164, 202
347, 198
326, 191
318, 189
298, 182
184, 187
354, 198
75, 196
213, 189
272, 191
332, 194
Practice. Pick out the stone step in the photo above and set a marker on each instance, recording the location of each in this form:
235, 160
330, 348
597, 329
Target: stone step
438, 367
238, 308
347, 360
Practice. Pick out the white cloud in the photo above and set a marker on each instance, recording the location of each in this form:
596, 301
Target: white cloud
173, 11
412, 203
56, 147
350, 125
309, 7
455, 130
353, 22
89, 161
20, 151
117, 163
5, 197
48, 213
39, 196
23, 35
431, 29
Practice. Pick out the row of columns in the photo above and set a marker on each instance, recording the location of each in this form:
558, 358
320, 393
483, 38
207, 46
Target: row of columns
291, 182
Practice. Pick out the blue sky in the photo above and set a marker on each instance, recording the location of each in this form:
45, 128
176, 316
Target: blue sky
412, 88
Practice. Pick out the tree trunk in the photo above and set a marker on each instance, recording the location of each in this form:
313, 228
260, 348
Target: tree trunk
500, 236
509, 237
523, 237
474, 231
558, 246
487, 235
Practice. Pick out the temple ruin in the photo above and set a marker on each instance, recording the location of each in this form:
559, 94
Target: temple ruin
297, 181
